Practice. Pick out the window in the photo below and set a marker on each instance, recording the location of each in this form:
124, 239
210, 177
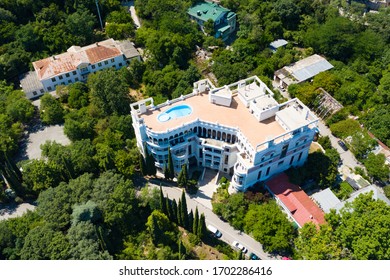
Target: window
74, 73
100, 64
300, 155
49, 88
42, 91
76, 79
284, 151
93, 66
112, 60
280, 163
67, 75
105, 62
291, 160
69, 81
53, 79
259, 175
60, 77
120, 64
34, 92
268, 169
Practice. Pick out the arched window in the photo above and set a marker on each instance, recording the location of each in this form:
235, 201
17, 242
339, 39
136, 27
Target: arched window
223, 136
214, 134
219, 135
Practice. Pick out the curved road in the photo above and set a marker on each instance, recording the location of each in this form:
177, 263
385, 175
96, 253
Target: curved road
229, 234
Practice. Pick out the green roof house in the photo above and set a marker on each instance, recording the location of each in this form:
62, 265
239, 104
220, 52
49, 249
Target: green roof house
224, 20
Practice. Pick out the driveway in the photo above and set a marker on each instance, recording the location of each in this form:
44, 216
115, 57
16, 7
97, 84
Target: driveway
207, 186
229, 234
14, 210
130, 4
43, 134
348, 159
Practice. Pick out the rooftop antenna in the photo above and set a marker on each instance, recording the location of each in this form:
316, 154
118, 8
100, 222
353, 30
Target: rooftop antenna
100, 18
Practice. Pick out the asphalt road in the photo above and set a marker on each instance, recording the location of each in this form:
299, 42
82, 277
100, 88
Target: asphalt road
348, 159
229, 234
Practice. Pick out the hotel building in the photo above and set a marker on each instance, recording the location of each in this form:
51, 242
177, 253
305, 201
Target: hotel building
238, 129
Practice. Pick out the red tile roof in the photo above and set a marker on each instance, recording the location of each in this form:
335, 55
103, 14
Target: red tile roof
70, 60
302, 208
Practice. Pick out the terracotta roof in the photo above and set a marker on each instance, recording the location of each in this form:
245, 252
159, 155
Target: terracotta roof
302, 208
100, 53
70, 60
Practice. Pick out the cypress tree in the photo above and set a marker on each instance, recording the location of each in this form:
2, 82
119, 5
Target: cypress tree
169, 208
179, 215
171, 169
184, 211
202, 226
163, 204
182, 179
152, 167
174, 211
142, 165
196, 222
166, 173
190, 221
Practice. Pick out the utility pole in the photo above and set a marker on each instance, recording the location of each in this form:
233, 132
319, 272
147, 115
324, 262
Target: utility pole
100, 18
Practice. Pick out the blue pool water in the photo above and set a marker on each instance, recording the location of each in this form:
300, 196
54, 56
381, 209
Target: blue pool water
175, 112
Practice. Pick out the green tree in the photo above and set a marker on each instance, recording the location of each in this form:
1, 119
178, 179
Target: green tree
85, 243
196, 221
161, 229
39, 175
202, 227
51, 110
170, 168
109, 92
142, 164
80, 24
270, 226
184, 211
78, 95
88, 211
376, 167
182, 179
208, 27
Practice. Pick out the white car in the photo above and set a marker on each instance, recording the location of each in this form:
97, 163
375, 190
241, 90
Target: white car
239, 246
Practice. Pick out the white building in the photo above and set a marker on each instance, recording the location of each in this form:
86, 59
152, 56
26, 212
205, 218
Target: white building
75, 65
301, 71
238, 129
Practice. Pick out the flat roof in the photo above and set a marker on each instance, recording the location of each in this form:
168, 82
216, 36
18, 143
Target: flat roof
301, 207
29, 82
237, 116
265, 102
326, 199
292, 117
251, 91
278, 43
308, 67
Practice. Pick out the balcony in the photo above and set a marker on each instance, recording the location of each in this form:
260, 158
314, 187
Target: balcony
239, 169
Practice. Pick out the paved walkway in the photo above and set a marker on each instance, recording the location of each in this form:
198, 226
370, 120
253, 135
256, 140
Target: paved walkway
207, 187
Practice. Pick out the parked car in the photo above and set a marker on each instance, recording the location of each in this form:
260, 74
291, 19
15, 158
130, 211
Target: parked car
342, 145
253, 256
239, 246
215, 231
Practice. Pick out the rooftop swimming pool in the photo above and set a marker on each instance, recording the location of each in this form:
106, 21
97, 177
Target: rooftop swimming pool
175, 112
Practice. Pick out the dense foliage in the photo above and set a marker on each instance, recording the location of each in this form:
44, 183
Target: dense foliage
360, 231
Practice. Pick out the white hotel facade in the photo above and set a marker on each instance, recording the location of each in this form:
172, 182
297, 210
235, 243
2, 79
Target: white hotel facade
238, 129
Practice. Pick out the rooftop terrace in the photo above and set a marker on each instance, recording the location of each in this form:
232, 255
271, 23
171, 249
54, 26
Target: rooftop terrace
236, 116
